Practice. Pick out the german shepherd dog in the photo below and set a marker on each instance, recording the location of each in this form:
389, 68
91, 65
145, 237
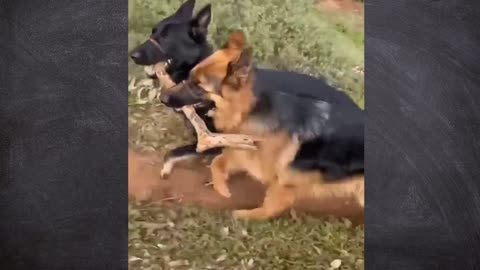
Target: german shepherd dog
180, 40
312, 133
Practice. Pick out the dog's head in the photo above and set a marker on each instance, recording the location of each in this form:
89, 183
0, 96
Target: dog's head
227, 70
180, 39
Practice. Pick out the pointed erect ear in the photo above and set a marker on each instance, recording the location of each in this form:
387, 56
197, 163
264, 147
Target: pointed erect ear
199, 23
185, 11
236, 40
241, 67
245, 58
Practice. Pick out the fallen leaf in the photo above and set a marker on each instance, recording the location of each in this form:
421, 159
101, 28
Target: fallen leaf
335, 264
221, 258
178, 263
152, 94
134, 259
225, 231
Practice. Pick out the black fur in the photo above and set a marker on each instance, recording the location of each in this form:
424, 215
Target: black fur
327, 122
183, 40
187, 150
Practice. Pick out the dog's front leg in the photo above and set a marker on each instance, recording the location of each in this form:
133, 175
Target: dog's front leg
277, 199
220, 174
182, 153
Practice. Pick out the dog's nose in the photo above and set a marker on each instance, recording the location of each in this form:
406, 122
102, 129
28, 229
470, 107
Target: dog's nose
136, 55
164, 99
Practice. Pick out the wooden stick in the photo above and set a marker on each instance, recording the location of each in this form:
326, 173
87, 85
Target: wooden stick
207, 139
162, 75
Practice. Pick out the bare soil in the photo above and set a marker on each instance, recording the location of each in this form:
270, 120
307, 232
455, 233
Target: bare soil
187, 184
345, 6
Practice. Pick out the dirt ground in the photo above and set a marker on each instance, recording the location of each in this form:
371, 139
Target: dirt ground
341, 5
188, 184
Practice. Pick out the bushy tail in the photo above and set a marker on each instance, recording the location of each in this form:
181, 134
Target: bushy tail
351, 188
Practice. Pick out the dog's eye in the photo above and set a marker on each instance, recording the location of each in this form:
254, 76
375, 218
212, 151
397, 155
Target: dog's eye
193, 80
164, 32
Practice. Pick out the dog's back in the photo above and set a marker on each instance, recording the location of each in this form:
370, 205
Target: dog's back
328, 122
299, 85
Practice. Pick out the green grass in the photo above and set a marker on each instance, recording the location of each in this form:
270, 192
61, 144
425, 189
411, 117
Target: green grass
285, 34
191, 238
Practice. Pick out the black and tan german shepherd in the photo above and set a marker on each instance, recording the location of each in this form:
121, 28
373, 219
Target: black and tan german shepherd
313, 133
180, 41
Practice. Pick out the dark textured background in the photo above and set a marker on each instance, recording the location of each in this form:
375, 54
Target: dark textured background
423, 131
63, 134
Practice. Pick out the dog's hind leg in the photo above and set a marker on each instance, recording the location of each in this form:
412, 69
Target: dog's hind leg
277, 200
181, 153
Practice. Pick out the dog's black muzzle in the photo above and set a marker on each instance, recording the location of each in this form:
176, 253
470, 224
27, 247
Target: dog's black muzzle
148, 53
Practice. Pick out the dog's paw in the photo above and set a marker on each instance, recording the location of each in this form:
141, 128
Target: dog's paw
222, 190
240, 214
245, 214
257, 214
166, 170
164, 175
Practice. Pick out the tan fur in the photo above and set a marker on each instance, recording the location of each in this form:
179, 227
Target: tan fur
270, 163
260, 164
234, 110
277, 200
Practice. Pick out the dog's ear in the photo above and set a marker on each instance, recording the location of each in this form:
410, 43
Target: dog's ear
185, 11
199, 23
245, 59
240, 68
236, 40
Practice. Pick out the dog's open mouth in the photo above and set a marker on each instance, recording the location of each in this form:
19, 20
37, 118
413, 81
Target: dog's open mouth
150, 70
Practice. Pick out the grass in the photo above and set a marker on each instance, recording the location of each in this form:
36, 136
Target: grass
286, 34
192, 238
